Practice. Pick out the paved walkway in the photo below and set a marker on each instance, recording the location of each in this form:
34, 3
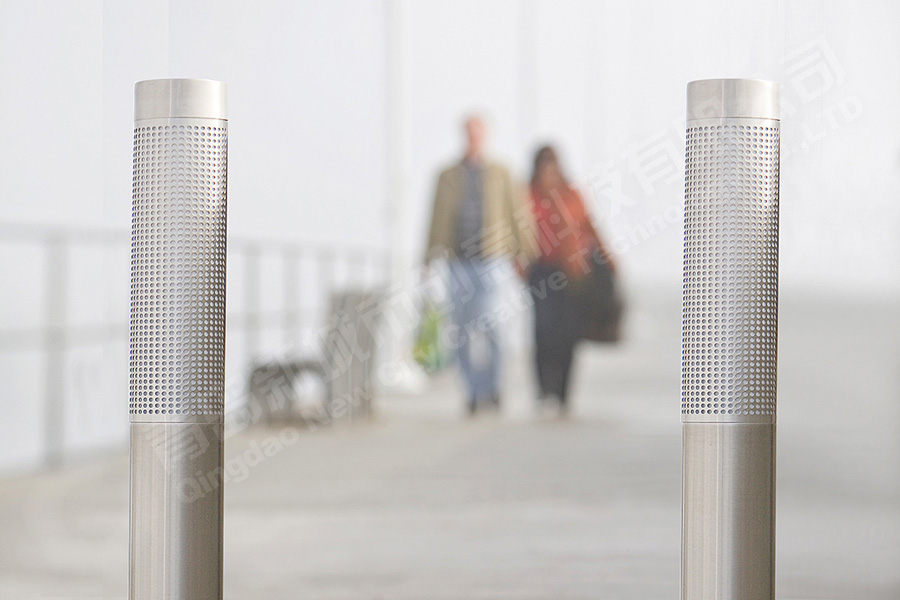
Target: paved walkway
424, 504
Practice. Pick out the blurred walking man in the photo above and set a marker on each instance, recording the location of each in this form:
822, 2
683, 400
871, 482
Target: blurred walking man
480, 217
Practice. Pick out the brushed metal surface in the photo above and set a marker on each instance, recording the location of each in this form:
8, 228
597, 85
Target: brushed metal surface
177, 340
728, 518
174, 98
733, 98
730, 340
176, 511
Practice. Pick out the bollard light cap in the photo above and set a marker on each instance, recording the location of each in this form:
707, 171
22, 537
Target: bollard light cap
173, 98
733, 98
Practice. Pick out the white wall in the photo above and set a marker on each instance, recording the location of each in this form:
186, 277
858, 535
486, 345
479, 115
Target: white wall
67, 69
306, 82
608, 85
306, 95
307, 89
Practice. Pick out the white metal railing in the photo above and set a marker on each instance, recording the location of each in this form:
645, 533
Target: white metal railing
277, 298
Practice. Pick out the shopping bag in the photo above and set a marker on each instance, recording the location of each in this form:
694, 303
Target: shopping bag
602, 304
429, 351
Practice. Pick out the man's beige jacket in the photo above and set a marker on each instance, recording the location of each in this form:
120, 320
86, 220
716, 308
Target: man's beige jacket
507, 224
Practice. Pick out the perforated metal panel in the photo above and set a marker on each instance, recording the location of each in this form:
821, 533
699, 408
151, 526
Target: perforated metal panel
178, 270
730, 271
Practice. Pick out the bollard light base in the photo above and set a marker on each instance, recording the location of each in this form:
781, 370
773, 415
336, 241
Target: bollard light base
176, 511
728, 519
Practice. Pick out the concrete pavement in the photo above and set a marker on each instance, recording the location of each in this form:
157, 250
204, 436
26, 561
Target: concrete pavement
423, 504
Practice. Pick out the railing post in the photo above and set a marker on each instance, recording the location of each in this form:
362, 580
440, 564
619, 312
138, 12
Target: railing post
56, 291
252, 319
178, 257
729, 340
291, 320
326, 277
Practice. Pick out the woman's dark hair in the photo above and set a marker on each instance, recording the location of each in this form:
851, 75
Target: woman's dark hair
544, 155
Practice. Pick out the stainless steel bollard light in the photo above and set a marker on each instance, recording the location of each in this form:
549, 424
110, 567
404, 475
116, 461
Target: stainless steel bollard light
177, 339
729, 340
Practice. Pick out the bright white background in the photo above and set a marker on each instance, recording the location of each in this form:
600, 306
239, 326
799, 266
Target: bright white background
314, 85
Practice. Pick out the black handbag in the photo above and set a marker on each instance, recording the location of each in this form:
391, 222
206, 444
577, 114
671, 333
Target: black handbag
602, 304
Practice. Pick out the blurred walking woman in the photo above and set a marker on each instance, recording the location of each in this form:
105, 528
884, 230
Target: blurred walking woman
567, 241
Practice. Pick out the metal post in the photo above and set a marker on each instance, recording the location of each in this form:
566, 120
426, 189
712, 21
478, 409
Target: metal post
252, 321
55, 338
291, 320
729, 340
177, 339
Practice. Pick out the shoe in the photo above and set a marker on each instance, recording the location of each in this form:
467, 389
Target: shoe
472, 406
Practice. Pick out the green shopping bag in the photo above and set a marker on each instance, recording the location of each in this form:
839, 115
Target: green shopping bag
428, 350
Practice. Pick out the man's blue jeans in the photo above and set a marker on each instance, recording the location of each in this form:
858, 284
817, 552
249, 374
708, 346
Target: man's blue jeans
472, 291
